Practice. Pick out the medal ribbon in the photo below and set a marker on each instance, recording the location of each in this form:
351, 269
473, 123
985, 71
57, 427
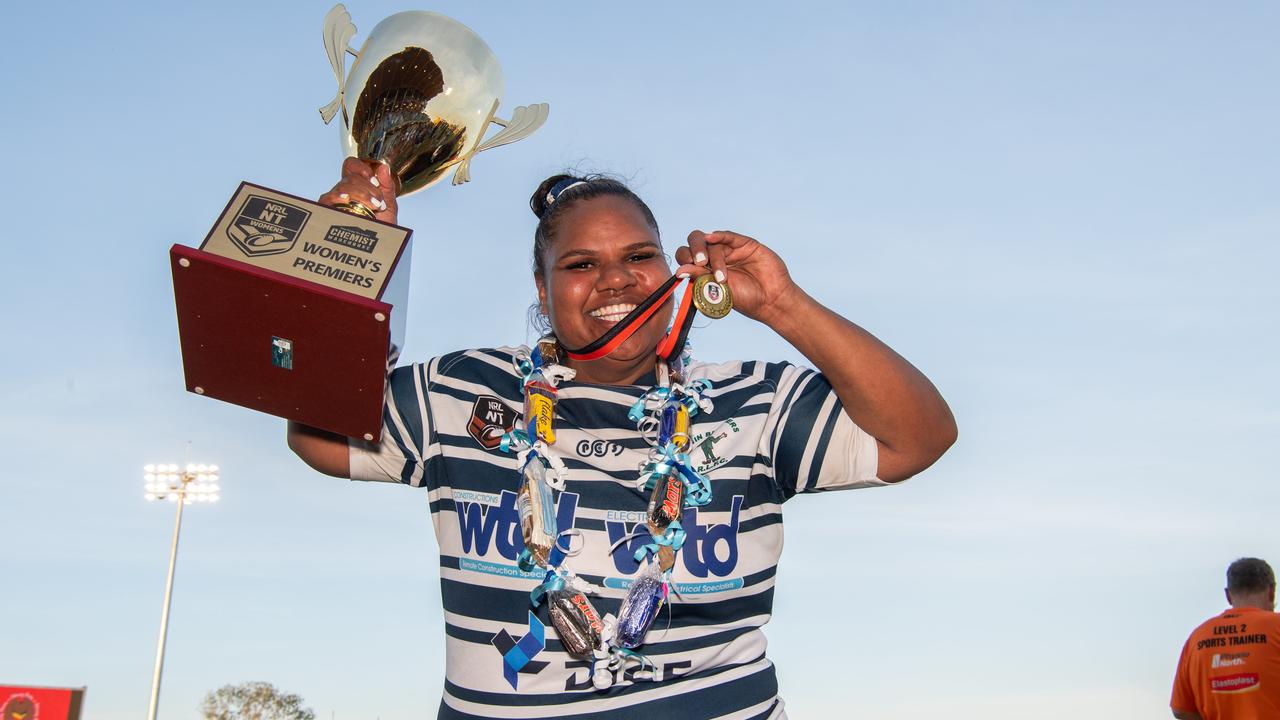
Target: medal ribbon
671, 345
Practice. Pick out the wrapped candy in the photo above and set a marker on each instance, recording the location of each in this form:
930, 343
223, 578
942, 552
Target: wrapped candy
667, 424
540, 409
644, 601
666, 558
537, 511
576, 621
680, 435
549, 351
667, 501
675, 370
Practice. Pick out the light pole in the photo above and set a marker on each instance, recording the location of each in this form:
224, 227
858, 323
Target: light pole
198, 483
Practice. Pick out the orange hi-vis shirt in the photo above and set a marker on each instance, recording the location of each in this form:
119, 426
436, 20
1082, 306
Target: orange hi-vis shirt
1230, 667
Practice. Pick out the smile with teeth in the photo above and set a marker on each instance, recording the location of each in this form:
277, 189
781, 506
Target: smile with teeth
612, 313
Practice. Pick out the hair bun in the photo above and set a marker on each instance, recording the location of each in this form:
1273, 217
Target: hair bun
543, 197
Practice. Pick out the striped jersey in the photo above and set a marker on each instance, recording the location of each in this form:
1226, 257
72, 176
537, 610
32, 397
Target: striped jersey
776, 429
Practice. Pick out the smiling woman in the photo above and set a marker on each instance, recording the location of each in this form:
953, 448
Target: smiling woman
603, 476
597, 257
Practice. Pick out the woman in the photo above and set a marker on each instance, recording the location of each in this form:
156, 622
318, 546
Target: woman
560, 613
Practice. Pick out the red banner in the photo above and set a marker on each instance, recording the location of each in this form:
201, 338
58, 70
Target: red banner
40, 703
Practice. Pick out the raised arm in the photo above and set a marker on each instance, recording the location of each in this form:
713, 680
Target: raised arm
882, 392
324, 451
370, 184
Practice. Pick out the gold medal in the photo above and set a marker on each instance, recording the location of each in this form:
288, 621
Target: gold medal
712, 298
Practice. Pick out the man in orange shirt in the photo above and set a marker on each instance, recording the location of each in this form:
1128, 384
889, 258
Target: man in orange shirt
1230, 666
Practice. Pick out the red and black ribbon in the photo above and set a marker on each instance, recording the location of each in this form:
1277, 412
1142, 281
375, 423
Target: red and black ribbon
669, 347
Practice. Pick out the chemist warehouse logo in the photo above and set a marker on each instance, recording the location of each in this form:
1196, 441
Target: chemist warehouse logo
708, 549
266, 226
352, 237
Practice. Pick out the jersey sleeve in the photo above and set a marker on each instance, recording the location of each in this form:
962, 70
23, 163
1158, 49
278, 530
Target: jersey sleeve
1183, 694
407, 449
814, 445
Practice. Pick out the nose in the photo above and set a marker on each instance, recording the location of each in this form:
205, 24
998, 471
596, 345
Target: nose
615, 276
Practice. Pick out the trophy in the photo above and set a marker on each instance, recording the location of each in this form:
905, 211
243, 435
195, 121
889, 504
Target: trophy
288, 306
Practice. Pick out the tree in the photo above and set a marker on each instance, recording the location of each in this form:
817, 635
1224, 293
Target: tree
253, 701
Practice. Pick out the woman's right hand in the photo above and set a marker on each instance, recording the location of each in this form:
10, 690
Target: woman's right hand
369, 183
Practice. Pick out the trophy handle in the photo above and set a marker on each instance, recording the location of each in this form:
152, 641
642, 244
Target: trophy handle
338, 31
525, 120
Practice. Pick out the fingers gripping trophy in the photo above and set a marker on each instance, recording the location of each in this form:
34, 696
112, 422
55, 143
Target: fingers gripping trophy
288, 306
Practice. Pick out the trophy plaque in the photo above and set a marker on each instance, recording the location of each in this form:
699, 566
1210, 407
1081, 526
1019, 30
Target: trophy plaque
290, 307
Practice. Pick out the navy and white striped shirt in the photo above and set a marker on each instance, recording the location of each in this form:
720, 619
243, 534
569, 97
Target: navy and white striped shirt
777, 429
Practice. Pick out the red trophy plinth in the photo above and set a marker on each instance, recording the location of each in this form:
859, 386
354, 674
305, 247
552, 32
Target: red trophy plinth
288, 307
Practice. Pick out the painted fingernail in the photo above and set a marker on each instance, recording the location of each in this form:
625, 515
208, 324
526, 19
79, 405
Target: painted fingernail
382, 204
683, 275
700, 258
374, 180
344, 196
719, 276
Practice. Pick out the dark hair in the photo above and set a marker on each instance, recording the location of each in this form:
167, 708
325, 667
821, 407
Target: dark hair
550, 203
1250, 575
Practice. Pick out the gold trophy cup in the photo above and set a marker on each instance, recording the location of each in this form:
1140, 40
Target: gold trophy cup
421, 93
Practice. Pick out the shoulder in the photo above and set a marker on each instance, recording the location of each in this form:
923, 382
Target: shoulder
780, 380
472, 369
1206, 627
1270, 619
475, 363
738, 371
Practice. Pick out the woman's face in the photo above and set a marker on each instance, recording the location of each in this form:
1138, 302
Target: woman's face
604, 261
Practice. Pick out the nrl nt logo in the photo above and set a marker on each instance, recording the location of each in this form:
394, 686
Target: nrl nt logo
490, 420
266, 226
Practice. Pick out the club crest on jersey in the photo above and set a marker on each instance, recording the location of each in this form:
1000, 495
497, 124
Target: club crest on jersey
490, 420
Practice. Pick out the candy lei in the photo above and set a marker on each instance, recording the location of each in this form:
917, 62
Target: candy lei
662, 415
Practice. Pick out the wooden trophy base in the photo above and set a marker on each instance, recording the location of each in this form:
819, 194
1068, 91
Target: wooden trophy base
288, 347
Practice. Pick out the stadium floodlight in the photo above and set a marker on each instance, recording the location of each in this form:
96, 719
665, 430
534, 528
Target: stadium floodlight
197, 483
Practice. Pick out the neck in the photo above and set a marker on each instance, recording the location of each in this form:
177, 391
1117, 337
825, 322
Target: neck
607, 371
1262, 601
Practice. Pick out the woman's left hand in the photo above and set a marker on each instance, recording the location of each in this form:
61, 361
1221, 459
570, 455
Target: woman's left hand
883, 393
756, 276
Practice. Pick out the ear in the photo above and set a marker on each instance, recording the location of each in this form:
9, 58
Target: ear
1227, 592
542, 293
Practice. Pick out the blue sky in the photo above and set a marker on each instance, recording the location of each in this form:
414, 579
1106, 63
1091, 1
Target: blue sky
1063, 213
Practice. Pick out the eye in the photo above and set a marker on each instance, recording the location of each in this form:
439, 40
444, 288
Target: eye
643, 255
579, 265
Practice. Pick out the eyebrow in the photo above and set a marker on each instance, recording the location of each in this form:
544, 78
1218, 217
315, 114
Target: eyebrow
584, 252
